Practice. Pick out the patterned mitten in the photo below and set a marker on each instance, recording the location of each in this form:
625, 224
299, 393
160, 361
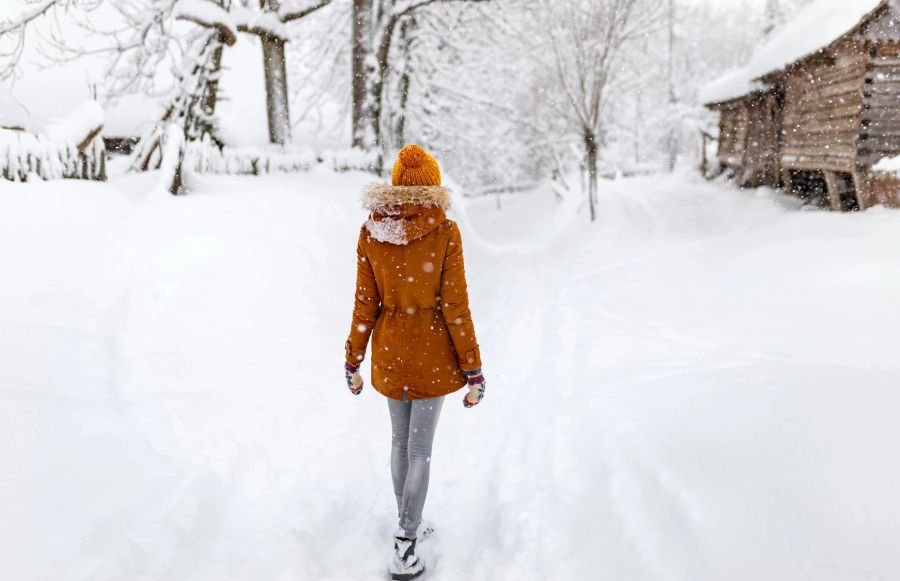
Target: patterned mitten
476, 388
354, 378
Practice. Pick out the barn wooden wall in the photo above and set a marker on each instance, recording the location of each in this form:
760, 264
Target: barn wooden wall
732, 134
823, 100
880, 123
762, 151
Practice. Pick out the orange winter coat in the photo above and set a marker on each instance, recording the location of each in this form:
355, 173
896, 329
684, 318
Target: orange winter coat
411, 295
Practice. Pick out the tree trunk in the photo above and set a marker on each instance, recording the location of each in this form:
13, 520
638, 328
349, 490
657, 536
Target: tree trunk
212, 87
407, 30
591, 154
177, 187
275, 67
361, 39
378, 82
371, 54
638, 119
276, 90
376, 98
673, 99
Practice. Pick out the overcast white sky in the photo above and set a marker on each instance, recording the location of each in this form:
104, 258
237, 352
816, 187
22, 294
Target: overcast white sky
9, 7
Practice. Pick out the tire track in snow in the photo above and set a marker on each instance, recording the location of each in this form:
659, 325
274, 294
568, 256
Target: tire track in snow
534, 396
656, 514
644, 506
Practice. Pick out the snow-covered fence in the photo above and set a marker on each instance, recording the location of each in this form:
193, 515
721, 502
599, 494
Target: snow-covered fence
70, 148
205, 157
351, 160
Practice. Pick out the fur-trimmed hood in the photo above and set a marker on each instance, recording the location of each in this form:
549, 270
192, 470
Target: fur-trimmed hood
380, 196
401, 214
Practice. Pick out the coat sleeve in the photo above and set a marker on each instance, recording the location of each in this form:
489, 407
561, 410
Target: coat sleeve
366, 306
455, 304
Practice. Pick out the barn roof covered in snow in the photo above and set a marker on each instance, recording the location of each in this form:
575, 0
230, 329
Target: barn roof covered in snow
814, 28
12, 113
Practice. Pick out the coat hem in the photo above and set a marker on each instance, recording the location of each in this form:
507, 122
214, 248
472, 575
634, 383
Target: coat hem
392, 394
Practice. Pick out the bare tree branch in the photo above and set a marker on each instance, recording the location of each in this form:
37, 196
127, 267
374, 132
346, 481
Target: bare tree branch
28, 15
410, 7
290, 13
225, 31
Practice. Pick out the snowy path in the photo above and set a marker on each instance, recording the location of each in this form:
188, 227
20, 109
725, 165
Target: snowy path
700, 386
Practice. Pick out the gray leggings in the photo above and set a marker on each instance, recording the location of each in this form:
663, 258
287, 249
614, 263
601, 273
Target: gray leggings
413, 424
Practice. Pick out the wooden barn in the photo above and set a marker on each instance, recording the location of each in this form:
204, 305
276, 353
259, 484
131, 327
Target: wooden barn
818, 107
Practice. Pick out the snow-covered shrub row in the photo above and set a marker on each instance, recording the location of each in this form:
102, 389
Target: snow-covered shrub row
205, 157
70, 148
351, 160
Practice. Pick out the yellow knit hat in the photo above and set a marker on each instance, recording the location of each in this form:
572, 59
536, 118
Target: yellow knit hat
415, 167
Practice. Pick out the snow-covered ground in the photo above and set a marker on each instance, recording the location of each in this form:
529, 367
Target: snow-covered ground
701, 386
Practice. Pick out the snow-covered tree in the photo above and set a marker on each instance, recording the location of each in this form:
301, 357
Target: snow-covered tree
586, 39
494, 87
376, 24
190, 118
458, 84
148, 37
18, 21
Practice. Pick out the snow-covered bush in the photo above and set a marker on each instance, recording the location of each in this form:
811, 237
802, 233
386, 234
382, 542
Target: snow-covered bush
69, 148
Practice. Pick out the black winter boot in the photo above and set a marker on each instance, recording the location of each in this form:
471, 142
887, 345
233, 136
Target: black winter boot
405, 565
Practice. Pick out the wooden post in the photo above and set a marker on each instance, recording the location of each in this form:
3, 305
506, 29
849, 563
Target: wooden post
860, 185
704, 163
834, 195
788, 181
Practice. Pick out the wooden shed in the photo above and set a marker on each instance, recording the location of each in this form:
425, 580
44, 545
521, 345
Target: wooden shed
816, 118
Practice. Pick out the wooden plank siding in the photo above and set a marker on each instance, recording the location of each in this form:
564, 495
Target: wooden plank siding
732, 134
762, 164
822, 105
749, 131
880, 116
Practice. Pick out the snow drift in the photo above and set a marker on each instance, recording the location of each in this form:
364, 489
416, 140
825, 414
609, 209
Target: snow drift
701, 386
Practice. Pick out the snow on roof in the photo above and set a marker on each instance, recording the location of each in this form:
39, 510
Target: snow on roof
47, 91
241, 109
38, 90
813, 28
735, 84
87, 117
132, 115
12, 113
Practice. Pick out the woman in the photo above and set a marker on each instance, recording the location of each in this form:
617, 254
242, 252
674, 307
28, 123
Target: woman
411, 298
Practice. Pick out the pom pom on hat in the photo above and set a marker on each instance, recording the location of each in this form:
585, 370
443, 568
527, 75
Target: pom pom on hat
412, 156
414, 167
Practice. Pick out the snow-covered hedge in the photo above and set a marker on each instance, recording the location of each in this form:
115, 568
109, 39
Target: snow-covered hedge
70, 148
